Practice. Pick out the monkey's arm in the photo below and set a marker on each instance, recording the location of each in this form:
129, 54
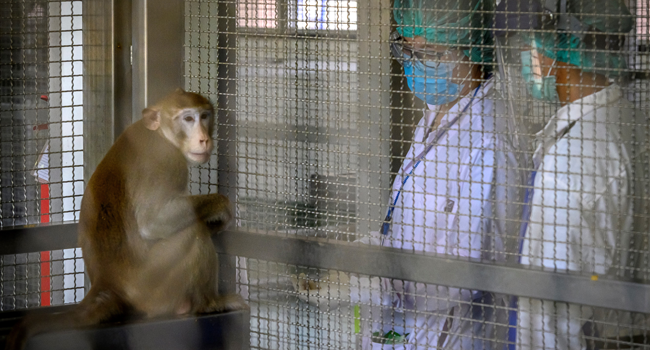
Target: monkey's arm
163, 217
214, 209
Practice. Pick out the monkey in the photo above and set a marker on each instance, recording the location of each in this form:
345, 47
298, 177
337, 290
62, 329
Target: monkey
146, 243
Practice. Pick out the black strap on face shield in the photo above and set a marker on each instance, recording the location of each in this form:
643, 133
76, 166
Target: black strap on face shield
565, 22
516, 15
513, 16
568, 23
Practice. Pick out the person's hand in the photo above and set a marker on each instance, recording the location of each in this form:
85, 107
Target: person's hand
329, 291
302, 284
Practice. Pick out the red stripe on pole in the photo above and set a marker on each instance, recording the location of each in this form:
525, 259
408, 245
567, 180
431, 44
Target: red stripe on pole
45, 203
45, 278
45, 256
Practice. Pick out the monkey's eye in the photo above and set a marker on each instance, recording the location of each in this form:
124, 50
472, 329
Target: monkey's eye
188, 119
204, 116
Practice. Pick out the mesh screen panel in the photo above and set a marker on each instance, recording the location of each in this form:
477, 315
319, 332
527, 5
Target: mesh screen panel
510, 133
42, 146
329, 141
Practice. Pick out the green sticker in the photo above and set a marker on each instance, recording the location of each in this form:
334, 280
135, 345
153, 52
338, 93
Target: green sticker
357, 319
391, 337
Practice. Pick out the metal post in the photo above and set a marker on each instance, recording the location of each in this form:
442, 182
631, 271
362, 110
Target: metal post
107, 79
227, 125
98, 82
374, 115
158, 36
122, 72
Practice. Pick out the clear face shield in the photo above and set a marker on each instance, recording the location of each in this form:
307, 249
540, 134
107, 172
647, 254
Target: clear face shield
529, 85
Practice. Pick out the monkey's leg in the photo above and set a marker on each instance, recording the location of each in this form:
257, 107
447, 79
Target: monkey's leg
205, 295
97, 306
172, 272
179, 275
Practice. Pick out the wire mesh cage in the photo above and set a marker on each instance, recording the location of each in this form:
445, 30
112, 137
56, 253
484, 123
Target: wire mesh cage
409, 124
453, 158
42, 130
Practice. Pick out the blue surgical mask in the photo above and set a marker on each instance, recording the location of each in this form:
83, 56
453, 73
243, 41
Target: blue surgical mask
432, 84
541, 88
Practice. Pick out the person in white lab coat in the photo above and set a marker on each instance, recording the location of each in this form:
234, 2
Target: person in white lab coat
456, 191
580, 206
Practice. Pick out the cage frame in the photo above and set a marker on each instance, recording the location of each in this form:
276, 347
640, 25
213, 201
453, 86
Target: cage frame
119, 85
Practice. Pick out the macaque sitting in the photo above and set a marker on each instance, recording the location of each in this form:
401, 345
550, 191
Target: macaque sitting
146, 244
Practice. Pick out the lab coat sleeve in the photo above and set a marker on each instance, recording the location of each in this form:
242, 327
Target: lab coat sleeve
556, 222
504, 209
547, 325
465, 239
553, 241
571, 230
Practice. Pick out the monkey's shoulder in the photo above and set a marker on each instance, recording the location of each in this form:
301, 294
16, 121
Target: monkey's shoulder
139, 164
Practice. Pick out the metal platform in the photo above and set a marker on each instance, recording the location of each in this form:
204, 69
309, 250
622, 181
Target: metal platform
215, 331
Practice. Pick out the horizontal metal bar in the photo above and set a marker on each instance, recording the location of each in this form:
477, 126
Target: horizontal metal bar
440, 270
37, 238
8, 319
384, 262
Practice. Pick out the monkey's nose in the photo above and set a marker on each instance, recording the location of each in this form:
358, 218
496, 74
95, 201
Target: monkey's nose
205, 144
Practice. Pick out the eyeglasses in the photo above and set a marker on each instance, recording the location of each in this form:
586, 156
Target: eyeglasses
407, 54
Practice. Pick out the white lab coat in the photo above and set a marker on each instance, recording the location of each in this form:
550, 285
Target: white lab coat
454, 203
582, 212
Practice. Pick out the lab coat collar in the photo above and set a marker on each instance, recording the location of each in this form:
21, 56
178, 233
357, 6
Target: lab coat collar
424, 135
484, 89
572, 112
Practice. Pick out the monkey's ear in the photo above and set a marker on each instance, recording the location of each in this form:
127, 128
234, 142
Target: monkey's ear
151, 118
179, 91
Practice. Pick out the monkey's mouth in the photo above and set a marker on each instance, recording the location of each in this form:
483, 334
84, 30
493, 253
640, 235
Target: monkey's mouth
200, 157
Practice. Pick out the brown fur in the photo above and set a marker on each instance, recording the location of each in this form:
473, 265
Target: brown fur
173, 270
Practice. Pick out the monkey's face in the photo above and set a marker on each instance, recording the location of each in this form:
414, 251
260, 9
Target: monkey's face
186, 120
191, 132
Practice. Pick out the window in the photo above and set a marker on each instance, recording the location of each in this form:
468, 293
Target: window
324, 15
256, 14
301, 14
643, 12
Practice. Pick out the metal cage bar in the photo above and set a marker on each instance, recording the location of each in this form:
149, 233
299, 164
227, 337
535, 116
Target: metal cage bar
317, 128
384, 262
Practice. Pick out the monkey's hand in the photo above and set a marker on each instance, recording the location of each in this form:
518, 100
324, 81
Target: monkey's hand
224, 303
214, 209
328, 291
